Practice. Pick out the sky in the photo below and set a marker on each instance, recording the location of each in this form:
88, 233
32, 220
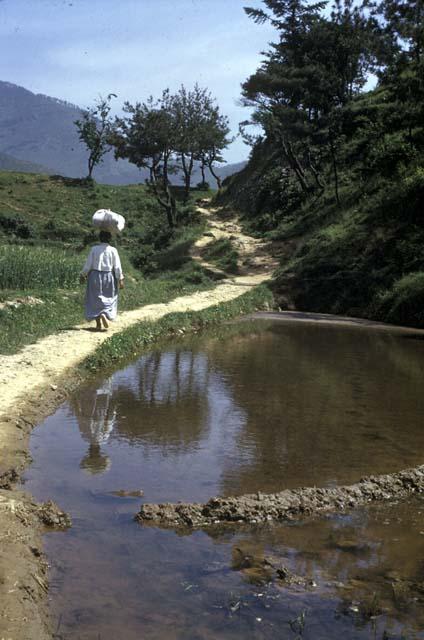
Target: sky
77, 50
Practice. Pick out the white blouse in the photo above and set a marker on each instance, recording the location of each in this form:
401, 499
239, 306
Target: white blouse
103, 257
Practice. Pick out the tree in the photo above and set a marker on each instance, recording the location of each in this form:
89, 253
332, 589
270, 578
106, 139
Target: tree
214, 133
317, 66
187, 107
201, 132
94, 130
404, 23
146, 137
171, 134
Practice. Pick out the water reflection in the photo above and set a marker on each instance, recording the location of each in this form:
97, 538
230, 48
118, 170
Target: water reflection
259, 407
166, 402
95, 412
264, 409
323, 406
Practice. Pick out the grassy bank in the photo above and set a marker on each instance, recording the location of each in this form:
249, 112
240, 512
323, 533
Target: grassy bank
129, 343
46, 233
358, 251
222, 254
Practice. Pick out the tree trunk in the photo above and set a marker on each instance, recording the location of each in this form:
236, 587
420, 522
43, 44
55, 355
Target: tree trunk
315, 173
215, 175
295, 166
169, 204
187, 169
90, 168
335, 172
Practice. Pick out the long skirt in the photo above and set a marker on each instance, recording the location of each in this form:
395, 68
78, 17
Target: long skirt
101, 295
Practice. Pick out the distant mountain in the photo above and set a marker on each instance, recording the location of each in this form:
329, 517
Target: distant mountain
8, 163
38, 134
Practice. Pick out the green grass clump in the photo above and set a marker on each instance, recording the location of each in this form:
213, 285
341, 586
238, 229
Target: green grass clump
403, 303
223, 254
130, 342
34, 267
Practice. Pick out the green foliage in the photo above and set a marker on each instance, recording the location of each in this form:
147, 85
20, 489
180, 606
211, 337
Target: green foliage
338, 175
15, 226
168, 135
94, 130
403, 303
130, 342
223, 254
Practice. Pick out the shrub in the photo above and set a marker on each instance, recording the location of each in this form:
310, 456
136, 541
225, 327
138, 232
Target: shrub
404, 302
14, 225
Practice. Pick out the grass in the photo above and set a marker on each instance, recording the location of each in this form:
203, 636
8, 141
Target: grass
63, 308
223, 254
45, 234
130, 342
37, 267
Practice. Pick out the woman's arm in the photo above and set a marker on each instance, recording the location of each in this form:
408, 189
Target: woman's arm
87, 266
117, 268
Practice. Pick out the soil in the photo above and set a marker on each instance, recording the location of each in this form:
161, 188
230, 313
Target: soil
286, 505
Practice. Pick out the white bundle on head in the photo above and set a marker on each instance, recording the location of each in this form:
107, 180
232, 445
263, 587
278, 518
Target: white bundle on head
109, 220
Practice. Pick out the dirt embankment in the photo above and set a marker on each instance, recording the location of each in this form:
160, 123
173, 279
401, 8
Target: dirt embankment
286, 505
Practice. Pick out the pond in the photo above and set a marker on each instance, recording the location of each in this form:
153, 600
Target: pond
257, 406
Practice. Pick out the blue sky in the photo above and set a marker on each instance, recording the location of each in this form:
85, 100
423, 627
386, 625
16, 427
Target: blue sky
78, 49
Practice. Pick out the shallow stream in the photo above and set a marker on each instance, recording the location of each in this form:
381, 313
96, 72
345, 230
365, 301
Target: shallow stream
258, 406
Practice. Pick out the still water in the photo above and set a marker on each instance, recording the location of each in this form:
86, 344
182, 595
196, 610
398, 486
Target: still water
258, 406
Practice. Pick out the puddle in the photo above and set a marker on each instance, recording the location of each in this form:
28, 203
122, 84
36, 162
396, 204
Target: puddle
259, 407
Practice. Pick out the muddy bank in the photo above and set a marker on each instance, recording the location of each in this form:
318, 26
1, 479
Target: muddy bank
328, 320
23, 569
286, 505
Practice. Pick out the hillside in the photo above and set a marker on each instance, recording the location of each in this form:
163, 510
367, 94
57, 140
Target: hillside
39, 130
364, 256
45, 233
8, 163
337, 171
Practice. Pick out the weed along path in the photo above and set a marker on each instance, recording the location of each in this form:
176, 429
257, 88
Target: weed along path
33, 383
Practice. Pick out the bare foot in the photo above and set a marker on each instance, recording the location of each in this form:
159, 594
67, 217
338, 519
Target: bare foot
104, 321
98, 324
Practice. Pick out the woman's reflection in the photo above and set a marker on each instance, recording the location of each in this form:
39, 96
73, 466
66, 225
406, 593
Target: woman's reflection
95, 411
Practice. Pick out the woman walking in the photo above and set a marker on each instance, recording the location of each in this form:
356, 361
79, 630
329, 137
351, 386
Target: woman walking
103, 273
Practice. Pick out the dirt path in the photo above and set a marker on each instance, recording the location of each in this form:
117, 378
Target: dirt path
255, 255
32, 384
